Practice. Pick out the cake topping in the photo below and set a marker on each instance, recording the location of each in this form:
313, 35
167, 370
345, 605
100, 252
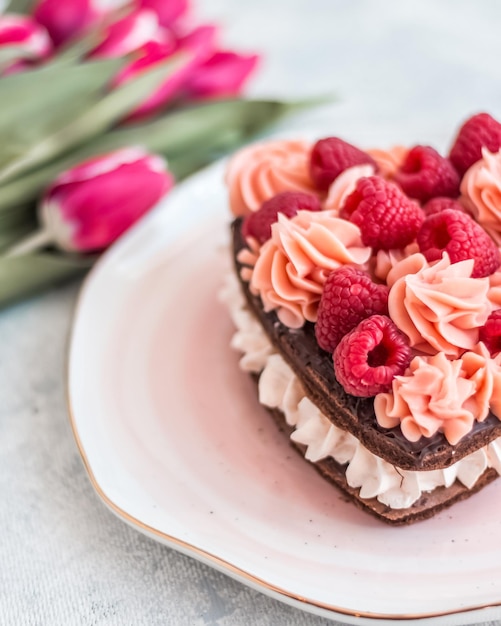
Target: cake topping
431, 397
258, 224
479, 131
439, 307
457, 234
331, 156
369, 357
386, 216
490, 333
345, 184
481, 189
261, 171
388, 161
441, 203
293, 265
425, 174
349, 296
441, 395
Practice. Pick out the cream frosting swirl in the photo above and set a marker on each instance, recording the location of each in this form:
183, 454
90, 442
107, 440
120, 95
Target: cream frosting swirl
293, 265
481, 191
388, 161
260, 171
440, 395
438, 306
345, 184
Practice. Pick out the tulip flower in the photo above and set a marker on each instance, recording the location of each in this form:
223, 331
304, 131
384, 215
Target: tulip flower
198, 46
168, 11
67, 19
222, 75
128, 34
89, 206
28, 40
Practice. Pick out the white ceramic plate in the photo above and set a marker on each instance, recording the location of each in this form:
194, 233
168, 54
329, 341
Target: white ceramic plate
176, 444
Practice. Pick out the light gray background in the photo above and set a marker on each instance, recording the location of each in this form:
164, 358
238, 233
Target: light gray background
406, 71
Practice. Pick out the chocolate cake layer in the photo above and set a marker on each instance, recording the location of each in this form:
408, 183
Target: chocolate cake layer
314, 368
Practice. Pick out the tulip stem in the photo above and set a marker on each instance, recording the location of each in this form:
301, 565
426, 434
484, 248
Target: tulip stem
31, 243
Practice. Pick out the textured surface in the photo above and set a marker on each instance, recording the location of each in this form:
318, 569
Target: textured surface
405, 74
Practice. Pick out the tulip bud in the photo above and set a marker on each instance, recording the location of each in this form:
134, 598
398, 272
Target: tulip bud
222, 75
66, 19
168, 11
89, 206
29, 41
128, 34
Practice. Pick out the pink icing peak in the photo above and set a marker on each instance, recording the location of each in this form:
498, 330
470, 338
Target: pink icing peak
292, 266
438, 306
345, 184
388, 161
441, 395
481, 192
260, 171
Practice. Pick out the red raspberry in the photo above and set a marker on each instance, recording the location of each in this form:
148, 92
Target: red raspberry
258, 224
349, 295
439, 204
385, 215
331, 156
462, 238
490, 333
369, 357
425, 174
478, 131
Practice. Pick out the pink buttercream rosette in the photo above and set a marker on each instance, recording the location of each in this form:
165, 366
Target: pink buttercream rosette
291, 267
441, 395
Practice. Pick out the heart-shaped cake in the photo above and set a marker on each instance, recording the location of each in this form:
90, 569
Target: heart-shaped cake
367, 300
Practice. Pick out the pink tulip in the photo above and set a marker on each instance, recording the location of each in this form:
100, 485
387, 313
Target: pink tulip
198, 44
128, 34
29, 41
89, 206
168, 11
66, 19
222, 75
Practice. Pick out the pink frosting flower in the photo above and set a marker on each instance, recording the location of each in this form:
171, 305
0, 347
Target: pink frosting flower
66, 19
89, 206
345, 184
29, 40
222, 75
128, 34
429, 398
293, 265
388, 161
260, 171
440, 395
385, 260
439, 306
481, 190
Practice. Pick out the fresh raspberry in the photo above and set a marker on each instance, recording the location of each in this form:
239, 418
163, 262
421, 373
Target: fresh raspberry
490, 333
439, 204
386, 217
462, 238
478, 131
258, 224
369, 357
331, 156
349, 296
425, 174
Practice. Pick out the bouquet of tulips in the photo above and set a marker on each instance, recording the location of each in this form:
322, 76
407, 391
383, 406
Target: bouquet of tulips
104, 105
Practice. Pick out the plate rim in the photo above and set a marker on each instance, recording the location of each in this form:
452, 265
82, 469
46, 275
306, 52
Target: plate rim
330, 611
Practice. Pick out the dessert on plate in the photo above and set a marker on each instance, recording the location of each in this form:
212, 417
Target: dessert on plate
367, 301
